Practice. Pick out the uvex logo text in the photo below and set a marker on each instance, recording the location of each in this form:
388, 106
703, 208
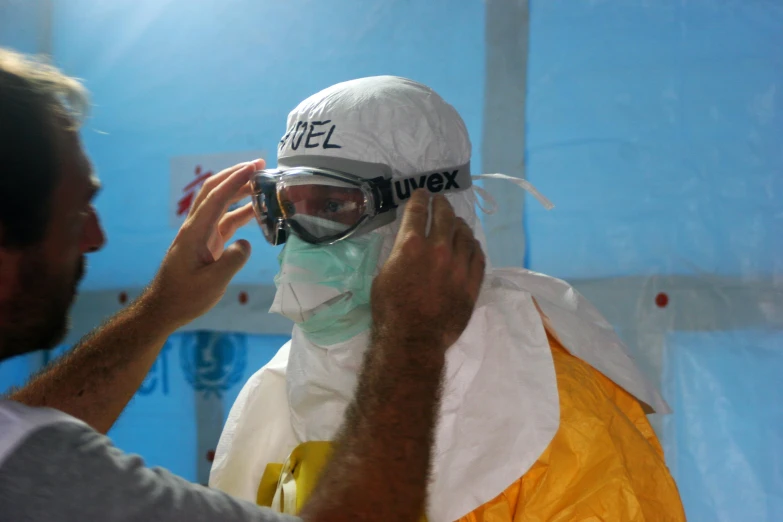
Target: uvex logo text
435, 182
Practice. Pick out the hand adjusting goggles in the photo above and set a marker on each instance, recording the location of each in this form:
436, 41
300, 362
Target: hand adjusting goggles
325, 205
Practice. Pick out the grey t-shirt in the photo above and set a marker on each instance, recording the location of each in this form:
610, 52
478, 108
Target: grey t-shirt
56, 468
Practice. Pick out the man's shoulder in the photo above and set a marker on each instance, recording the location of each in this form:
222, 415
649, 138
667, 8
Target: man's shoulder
61, 469
18, 422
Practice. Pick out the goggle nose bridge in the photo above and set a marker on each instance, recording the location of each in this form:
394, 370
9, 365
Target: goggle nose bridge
271, 221
383, 194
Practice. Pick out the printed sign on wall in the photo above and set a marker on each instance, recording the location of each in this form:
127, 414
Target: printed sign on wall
188, 174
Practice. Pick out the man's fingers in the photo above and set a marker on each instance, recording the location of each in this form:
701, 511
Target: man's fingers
443, 220
210, 184
464, 243
213, 181
232, 261
244, 192
414, 220
478, 263
211, 210
235, 220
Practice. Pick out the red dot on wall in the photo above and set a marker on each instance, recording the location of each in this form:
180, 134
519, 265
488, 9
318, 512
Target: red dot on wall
123, 298
211, 455
662, 300
242, 297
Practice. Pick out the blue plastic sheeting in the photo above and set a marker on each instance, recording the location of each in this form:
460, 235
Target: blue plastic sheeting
14, 372
20, 25
655, 128
723, 442
195, 371
177, 77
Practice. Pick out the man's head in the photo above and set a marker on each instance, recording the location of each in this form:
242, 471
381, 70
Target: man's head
47, 221
378, 126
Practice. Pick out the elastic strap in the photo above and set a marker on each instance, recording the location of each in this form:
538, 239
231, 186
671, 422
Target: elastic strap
523, 183
452, 179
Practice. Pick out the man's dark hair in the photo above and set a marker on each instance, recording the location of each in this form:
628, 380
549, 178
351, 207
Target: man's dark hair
34, 98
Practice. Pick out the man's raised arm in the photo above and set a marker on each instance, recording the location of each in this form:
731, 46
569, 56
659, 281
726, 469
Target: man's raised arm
97, 379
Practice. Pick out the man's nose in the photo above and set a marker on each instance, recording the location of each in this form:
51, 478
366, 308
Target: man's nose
94, 238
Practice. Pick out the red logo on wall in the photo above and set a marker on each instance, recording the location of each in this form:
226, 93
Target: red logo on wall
187, 176
190, 191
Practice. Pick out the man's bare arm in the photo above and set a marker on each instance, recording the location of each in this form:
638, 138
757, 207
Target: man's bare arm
97, 379
381, 462
422, 301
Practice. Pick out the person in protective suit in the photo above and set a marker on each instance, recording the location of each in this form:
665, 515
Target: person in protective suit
543, 415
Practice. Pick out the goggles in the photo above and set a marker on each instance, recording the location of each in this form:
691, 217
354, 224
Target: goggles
323, 205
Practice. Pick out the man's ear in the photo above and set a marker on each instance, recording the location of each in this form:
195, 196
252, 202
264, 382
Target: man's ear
10, 259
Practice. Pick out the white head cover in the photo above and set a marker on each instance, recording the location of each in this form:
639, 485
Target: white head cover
382, 120
500, 405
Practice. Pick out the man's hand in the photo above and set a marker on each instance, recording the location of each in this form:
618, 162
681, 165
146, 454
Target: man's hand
198, 268
429, 286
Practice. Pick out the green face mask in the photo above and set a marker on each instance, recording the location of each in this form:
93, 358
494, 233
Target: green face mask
346, 267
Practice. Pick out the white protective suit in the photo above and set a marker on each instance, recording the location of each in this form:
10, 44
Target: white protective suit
500, 404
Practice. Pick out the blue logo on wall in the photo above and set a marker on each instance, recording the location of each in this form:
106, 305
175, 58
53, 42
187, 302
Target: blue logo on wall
213, 362
158, 376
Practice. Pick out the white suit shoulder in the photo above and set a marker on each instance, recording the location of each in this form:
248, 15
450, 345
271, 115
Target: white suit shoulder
583, 331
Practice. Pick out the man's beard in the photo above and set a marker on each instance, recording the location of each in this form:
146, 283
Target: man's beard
40, 310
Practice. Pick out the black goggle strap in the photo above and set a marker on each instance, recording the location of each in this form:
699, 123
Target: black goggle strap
390, 194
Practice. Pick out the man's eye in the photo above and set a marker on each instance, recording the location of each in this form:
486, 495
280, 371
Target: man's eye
332, 206
87, 212
289, 209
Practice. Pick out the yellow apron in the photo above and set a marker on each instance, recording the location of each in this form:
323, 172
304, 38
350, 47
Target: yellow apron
604, 464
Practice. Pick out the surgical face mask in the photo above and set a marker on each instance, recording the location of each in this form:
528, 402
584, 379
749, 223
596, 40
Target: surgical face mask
325, 289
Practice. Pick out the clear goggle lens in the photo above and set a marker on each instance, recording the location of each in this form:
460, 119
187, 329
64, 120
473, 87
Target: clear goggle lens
322, 207
318, 208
